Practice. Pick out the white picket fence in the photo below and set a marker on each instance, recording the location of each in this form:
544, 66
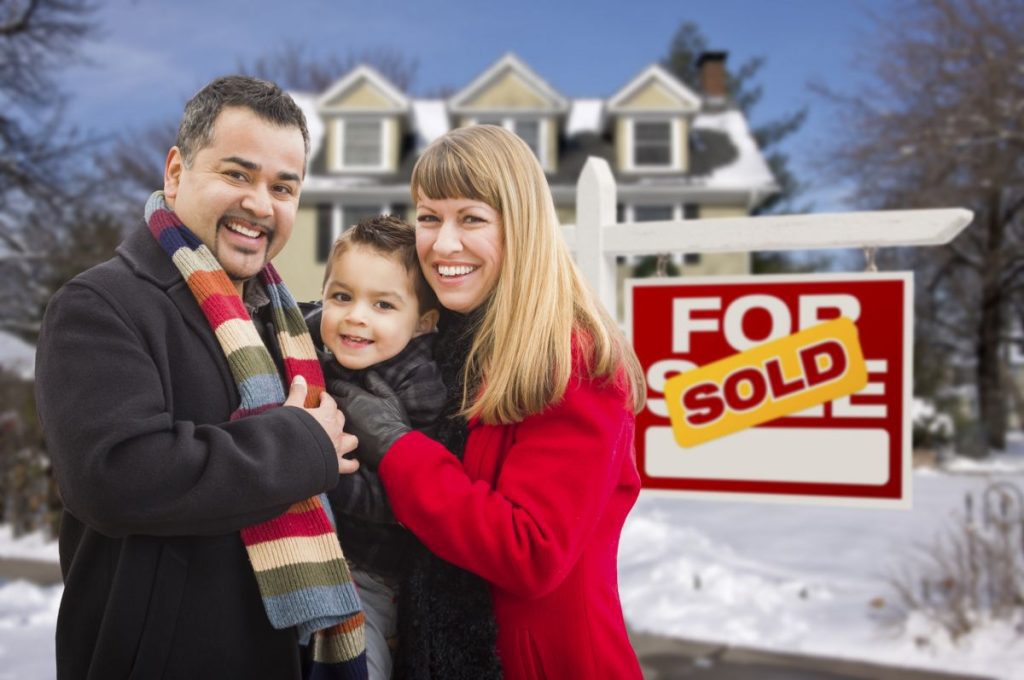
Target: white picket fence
597, 238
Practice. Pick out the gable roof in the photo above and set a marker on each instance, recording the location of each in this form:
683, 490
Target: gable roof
724, 156
689, 101
354, 77
460, 103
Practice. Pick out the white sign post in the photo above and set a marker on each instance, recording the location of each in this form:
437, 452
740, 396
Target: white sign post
822, 464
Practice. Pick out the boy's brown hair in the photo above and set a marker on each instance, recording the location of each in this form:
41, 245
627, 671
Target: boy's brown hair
391, 237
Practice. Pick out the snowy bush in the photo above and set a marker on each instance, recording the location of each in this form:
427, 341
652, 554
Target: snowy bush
972, 575
932, 428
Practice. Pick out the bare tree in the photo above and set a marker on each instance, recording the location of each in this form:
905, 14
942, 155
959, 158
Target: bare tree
294, 68
130, 167
939, 123
36, 38
39, 218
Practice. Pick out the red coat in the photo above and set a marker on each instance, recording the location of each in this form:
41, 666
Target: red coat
536, 509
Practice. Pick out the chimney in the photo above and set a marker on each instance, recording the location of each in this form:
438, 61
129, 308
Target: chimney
711, 66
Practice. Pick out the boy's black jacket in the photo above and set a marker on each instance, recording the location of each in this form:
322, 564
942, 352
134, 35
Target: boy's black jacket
370, 536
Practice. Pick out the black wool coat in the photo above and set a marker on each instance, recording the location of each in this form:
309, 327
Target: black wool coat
135, 395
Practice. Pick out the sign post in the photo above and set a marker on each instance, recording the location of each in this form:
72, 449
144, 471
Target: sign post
834, 436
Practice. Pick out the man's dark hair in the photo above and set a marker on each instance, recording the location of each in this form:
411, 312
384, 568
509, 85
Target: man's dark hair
262, 97
391, 237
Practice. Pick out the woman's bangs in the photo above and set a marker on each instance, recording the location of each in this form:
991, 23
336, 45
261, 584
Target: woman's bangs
442, 173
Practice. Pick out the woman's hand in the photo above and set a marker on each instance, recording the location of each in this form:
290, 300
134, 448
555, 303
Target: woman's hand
374, 415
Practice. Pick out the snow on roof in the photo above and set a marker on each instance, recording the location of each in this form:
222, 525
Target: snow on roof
307, 102
585, 116
429, 119
749, 169
17, 356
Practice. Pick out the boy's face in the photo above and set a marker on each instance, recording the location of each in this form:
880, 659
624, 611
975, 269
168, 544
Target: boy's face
370, 308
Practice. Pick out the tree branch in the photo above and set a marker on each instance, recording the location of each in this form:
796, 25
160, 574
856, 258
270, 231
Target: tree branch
19, 24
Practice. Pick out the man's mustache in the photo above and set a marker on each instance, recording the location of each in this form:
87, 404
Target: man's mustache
267, 227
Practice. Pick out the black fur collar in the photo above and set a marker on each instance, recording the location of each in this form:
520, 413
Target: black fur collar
445, 614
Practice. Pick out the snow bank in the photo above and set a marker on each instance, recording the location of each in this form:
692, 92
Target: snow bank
34, 546
749, 169
17, 355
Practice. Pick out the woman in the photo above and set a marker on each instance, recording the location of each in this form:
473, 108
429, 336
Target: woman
542, 390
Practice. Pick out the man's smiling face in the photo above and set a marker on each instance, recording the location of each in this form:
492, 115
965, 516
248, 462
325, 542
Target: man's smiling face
241, 193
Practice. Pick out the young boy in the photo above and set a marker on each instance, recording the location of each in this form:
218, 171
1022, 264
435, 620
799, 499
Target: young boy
378, 313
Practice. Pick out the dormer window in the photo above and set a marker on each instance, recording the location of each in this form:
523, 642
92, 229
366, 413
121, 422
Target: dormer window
527, 129
529, 132
511, 95
365, 116
362, 144
652, 144
653, 115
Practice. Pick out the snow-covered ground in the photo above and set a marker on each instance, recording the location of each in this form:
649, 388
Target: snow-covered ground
800, 578
28, 617
791, 578
28, 613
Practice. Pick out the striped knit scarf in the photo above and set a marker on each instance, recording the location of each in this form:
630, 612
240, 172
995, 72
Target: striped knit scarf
296, 557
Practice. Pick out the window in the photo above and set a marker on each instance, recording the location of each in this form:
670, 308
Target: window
691, 211
332, 219
652, 144
350, 214
652, 213
530, 130
324, 230
362, 144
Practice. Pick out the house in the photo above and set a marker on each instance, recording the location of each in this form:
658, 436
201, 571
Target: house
675, 153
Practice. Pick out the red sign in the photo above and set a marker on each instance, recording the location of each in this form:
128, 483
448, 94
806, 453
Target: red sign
852, 450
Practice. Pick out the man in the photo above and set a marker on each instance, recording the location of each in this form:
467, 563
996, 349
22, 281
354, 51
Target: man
164, 453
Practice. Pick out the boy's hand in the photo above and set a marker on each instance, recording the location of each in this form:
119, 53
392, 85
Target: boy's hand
330, 419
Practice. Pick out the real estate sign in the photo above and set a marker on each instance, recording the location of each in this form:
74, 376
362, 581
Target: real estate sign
793, 387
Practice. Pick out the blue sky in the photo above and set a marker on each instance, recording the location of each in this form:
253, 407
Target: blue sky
149, 56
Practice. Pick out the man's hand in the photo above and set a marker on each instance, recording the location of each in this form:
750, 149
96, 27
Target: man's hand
329, 418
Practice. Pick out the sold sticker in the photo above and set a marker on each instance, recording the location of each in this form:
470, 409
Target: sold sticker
771, 380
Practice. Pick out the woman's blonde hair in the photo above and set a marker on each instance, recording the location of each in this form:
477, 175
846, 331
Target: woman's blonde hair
521, 359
